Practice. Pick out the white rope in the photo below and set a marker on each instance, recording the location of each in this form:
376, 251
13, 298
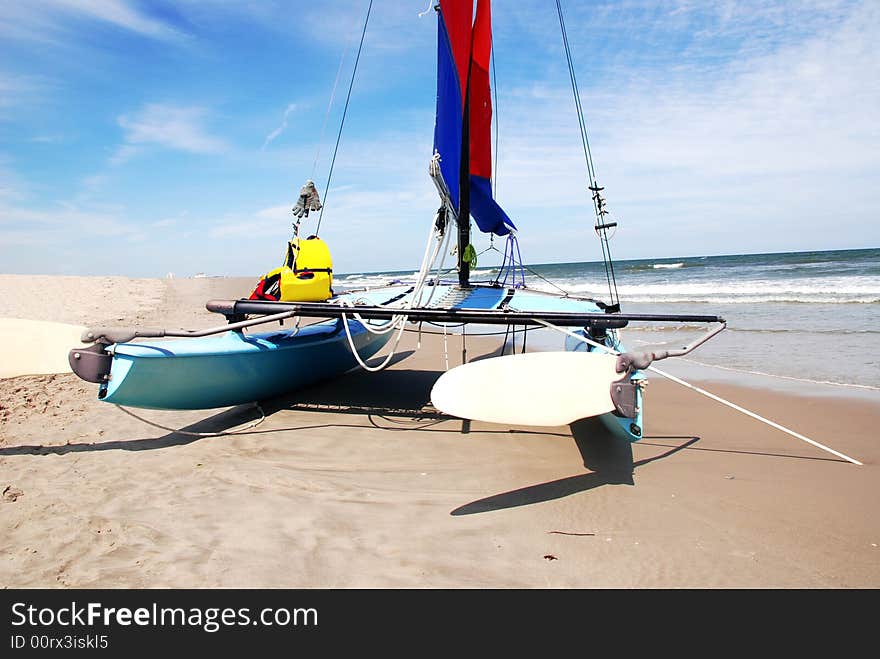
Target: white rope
729, 404
783, 377
399, 321
428, 259
384, 328
438, 273
764, 373
357, 356
234, 431
736, 407
439, 250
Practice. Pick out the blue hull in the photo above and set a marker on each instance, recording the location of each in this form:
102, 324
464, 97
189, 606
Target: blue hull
232, 368
627, 428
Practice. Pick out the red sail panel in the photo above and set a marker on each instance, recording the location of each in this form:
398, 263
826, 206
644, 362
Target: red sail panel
463, 57
457, 16
481, 96
488, 215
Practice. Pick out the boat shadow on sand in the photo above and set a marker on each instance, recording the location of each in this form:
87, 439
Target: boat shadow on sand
395, 400
608, 458
357, 394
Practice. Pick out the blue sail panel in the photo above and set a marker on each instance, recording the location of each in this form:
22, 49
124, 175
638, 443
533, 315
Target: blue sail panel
489, 216
450, 112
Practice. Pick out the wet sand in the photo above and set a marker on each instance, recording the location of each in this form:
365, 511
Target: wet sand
360, 483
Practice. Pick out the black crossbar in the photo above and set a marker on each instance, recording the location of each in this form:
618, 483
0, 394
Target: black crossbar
235, 308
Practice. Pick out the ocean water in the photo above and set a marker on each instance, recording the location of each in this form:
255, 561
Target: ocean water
810, 317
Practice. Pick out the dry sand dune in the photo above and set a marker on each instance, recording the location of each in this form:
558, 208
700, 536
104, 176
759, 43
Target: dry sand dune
357, 483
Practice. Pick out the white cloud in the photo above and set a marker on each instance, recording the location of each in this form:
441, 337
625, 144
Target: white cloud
269, 226
275, 133
47, 139
10, 86
123, 154
11, 185
276, 213
713, 127
761, 151
87, 239
121, 14
170, 126
18, 90
46, 21
393, 27
63, 222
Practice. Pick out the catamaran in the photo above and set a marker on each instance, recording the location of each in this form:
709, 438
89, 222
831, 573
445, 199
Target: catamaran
594, 375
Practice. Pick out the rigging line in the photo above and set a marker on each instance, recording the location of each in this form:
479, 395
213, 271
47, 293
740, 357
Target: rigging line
577, 98
344, 113
782, 377
177, 431
559, 288
606, 258
522, 274
399, 321
616, 298
330, 104
708, 394
591, 170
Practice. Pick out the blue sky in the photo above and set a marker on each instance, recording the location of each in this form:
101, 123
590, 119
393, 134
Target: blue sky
140, 138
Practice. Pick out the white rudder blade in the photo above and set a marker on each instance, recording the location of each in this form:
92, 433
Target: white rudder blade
36, 347
532, 389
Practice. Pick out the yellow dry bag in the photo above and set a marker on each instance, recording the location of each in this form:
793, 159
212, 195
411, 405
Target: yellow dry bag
307, 275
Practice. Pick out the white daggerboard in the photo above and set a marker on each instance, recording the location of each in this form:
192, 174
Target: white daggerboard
36, 347
532, 389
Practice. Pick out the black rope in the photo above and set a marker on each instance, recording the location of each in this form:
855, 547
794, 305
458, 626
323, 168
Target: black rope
577, 98
344, 112
541, 277
591, 170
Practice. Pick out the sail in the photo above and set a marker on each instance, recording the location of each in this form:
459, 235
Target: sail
464, 48
453, 61
489, 216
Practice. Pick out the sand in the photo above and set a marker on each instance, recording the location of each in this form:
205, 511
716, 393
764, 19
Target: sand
357, 483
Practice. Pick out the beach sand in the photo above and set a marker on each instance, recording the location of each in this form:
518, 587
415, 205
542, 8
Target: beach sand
357, 483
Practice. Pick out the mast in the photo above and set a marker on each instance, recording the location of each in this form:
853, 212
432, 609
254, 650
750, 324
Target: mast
463, 123
464, 192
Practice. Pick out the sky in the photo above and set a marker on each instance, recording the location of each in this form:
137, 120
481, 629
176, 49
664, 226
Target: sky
144, 138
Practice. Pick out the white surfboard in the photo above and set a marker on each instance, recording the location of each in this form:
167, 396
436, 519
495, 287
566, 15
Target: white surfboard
36, 347
532, 389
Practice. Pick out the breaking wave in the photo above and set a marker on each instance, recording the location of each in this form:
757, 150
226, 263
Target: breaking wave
850, 290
